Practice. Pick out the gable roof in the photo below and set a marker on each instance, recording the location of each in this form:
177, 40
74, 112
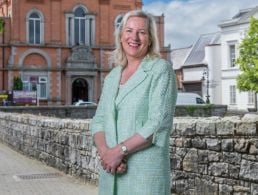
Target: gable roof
197, 54
178, 56
241, 17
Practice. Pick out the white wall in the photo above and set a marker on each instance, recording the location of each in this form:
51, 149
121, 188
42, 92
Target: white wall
213, 59
193, 74
229, 74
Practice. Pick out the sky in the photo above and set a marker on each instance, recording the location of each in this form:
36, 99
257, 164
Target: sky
186, 20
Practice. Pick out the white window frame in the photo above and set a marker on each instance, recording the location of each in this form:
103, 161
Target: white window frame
41, 81
232, 54
251, 98
41, 27
232, 94
90, 27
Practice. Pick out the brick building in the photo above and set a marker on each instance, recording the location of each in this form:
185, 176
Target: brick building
61, 47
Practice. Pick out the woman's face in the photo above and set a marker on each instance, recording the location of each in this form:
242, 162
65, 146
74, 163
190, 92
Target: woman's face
135, 37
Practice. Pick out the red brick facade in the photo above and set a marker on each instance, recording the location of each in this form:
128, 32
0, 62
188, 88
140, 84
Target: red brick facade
61, 46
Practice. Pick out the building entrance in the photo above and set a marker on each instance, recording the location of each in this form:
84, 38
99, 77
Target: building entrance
80, 90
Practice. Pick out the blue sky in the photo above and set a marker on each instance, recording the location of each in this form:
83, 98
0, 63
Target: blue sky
186, 20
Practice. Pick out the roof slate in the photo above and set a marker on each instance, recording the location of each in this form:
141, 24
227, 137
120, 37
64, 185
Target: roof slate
197, 54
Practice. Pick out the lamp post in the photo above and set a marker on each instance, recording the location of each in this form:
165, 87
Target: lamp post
205, 77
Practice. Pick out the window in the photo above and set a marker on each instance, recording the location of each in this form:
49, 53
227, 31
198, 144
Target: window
30, 83
232, 55
232, 95
34, 27
250, 97
43, 87
118, 21
80, 27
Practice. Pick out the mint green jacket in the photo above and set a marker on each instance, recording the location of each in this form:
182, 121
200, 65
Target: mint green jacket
145, 105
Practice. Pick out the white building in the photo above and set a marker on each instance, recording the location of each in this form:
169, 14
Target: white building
209, 67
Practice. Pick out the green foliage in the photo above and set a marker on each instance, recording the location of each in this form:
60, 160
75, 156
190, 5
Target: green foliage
190, 109
1, 25
248, 59
17, 83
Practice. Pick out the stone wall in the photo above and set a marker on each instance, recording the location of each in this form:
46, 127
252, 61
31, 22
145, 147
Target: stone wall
210, 155
65, 144
76, 112
84, 112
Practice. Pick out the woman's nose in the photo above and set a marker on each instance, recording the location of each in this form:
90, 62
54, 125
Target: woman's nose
135, 36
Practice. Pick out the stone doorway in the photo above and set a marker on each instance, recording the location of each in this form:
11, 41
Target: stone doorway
80, 90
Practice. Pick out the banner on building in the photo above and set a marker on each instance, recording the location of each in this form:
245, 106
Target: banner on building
25, 97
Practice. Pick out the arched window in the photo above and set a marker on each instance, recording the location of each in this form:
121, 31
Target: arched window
118, 20
34, 28
80, 27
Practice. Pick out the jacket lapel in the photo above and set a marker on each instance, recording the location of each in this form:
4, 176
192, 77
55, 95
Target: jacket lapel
114, 86
137, 78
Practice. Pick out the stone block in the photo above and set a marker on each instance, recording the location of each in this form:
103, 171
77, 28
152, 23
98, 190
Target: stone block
227, 145
186, 126
246, 128
249, 170
213, 144
190, 161
198, 143
232, 158
214, 156
206, 126
225, 189
254, 189
205, 187
241, 145
218, 169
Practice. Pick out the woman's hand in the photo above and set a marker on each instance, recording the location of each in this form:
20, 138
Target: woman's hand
112, 160
122, 167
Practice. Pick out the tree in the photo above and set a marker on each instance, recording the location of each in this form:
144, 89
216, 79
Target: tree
248, 60
17, 83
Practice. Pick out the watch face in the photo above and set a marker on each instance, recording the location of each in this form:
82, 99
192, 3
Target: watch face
124, 149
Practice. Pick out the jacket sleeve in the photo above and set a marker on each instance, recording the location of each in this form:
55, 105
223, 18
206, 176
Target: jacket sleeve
162, 99
97, 122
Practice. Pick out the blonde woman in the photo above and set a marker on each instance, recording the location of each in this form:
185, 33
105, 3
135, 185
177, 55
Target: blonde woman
134, 117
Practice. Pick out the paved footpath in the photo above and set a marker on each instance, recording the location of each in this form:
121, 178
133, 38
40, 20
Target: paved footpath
20, 175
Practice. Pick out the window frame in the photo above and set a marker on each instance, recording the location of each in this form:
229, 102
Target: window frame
232, 95
251, 97
232, 54
39, 20
89, 27
41, 81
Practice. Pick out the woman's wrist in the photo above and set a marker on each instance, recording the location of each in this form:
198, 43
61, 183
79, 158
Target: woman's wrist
102, 149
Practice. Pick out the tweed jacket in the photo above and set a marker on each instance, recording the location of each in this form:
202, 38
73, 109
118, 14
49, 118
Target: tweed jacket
145, 105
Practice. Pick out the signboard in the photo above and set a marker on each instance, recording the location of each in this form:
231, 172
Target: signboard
25, 97
4, 97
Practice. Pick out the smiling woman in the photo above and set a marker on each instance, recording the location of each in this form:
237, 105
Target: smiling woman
134, 116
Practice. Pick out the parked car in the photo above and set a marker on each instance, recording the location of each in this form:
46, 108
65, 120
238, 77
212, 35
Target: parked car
184, 98
85, 103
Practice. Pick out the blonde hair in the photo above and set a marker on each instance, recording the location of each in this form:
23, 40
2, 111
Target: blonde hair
118, 56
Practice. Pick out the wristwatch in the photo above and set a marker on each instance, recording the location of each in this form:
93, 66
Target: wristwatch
124, 149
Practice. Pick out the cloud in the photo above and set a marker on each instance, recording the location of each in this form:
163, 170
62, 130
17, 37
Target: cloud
186, 20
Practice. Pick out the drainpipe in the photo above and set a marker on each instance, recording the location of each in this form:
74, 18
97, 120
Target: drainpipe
3, 58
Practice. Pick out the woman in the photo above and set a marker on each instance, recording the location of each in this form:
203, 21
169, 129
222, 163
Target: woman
133, 120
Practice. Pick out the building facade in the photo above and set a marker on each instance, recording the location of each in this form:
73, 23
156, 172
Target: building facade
61, 47
209, 66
